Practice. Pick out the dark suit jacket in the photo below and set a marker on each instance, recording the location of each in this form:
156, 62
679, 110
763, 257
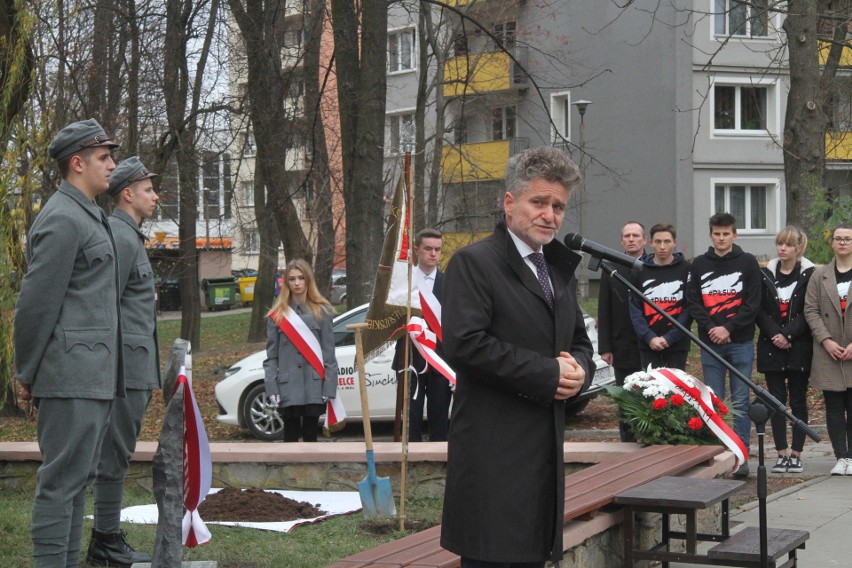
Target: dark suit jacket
505, 472
615, 329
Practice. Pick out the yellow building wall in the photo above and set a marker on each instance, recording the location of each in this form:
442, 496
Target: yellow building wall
484, 161
454, 241
838, 145
476, 74
845, 56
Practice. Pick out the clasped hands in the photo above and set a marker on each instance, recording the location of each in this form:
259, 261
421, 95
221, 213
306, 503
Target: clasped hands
571, 376
836, 351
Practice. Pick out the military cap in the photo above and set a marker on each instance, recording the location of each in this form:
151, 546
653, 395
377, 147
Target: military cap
79, 136
128, 171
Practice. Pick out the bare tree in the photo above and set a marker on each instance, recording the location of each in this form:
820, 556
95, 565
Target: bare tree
360, 39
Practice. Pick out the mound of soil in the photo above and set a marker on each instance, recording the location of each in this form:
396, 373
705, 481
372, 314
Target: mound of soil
255, 505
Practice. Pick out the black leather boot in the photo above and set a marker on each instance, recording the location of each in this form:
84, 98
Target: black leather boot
113, 550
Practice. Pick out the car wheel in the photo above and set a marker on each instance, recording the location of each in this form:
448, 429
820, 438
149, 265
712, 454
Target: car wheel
572, 410
262, 420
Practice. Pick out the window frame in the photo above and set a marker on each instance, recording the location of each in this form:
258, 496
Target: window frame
251, 237
723, 14
249, 144
773, 106
505, 122
561, 102
394, 36
771, 203
247, 187
394, 147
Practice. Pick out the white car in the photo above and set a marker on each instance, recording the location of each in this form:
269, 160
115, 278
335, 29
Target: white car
241, 395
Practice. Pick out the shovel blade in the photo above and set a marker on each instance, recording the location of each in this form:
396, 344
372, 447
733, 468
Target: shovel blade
376, 497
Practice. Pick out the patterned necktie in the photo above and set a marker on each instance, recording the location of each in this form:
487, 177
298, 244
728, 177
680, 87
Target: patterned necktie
543, 276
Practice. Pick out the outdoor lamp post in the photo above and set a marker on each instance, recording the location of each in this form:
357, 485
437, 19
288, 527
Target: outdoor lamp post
582, 105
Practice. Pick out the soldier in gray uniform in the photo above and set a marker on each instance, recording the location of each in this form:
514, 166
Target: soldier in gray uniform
135, 200
68, 338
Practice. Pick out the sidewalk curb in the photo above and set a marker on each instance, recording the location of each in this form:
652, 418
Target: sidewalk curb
783, 493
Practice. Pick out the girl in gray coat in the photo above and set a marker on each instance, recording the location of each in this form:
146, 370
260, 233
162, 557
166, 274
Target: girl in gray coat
292, 383
825, 311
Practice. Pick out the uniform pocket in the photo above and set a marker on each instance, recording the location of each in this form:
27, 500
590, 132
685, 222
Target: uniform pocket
89, 356
97, 252
138, 350
144, 270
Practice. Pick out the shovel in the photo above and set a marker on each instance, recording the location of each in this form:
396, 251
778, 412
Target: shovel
375, 492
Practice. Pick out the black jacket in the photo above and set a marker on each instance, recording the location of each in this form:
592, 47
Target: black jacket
615, 331
794, 327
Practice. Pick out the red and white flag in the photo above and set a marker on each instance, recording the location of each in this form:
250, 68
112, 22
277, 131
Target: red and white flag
430, 307
197, 466
701, 397
303, 338
424, 341
335, 415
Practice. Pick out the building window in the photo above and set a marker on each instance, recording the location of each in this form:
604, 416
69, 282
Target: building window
249, 146
503, 123
740, 107
840, 115
398, 126
248, 193
505, 34
251, 243
401, 52
747, 203
560, 116
741, 18
460, 47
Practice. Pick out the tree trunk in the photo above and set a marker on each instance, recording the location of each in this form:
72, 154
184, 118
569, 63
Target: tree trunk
361, 91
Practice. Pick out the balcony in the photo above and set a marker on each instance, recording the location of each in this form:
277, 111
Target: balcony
488, 72
845, 56
838, 146
481, 161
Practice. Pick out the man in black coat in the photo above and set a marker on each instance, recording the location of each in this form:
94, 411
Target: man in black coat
617, 342
514, 333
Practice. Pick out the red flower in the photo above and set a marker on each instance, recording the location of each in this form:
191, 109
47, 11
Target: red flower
660, 403
723, 409
677, 400
695, 423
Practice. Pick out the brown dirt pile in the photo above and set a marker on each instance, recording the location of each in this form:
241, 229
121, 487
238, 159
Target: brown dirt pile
255, 505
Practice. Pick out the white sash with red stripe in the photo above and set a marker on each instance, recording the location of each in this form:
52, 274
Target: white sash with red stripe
303, 338
197, 466
430, 307
701, 397
424, 340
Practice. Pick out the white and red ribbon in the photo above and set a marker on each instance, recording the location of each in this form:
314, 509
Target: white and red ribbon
700, 397
334, 413
430, 307
303, 338
425, 341
197, 466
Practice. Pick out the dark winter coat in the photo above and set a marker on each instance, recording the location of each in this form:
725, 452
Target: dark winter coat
771, 359
615, 330
505, 472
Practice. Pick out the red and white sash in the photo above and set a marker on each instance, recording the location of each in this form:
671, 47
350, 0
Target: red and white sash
197, 466
424, 340
430, 307
334, 414
701, 398
303, 338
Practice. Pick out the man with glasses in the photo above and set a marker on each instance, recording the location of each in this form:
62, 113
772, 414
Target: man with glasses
723, 296
135, 200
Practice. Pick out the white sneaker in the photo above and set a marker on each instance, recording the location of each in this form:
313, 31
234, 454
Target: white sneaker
848, 466
841, 468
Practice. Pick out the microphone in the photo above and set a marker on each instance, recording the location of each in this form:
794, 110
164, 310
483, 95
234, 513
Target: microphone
576, 242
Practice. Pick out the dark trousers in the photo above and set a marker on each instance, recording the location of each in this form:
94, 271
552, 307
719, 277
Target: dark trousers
796, 384
663, 359
624, 430
433, 389
304, 426
470, 563
838, 421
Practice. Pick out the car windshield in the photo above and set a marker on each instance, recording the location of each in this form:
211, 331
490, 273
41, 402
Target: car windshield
343, 336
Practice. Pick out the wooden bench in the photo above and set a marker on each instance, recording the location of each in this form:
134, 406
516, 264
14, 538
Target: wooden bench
586, 493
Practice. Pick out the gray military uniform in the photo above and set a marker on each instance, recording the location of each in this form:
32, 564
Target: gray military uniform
67, 337
141, 367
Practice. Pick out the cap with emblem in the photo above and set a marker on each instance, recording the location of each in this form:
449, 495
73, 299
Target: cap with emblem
78, 136
128, 171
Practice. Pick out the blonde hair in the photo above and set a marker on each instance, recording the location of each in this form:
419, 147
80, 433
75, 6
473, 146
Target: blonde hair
793, 236
314, 301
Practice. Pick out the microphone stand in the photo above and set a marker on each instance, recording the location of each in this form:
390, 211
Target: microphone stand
760, 411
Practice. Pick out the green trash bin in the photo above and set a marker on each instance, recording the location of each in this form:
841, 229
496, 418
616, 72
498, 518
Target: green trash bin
219, 293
